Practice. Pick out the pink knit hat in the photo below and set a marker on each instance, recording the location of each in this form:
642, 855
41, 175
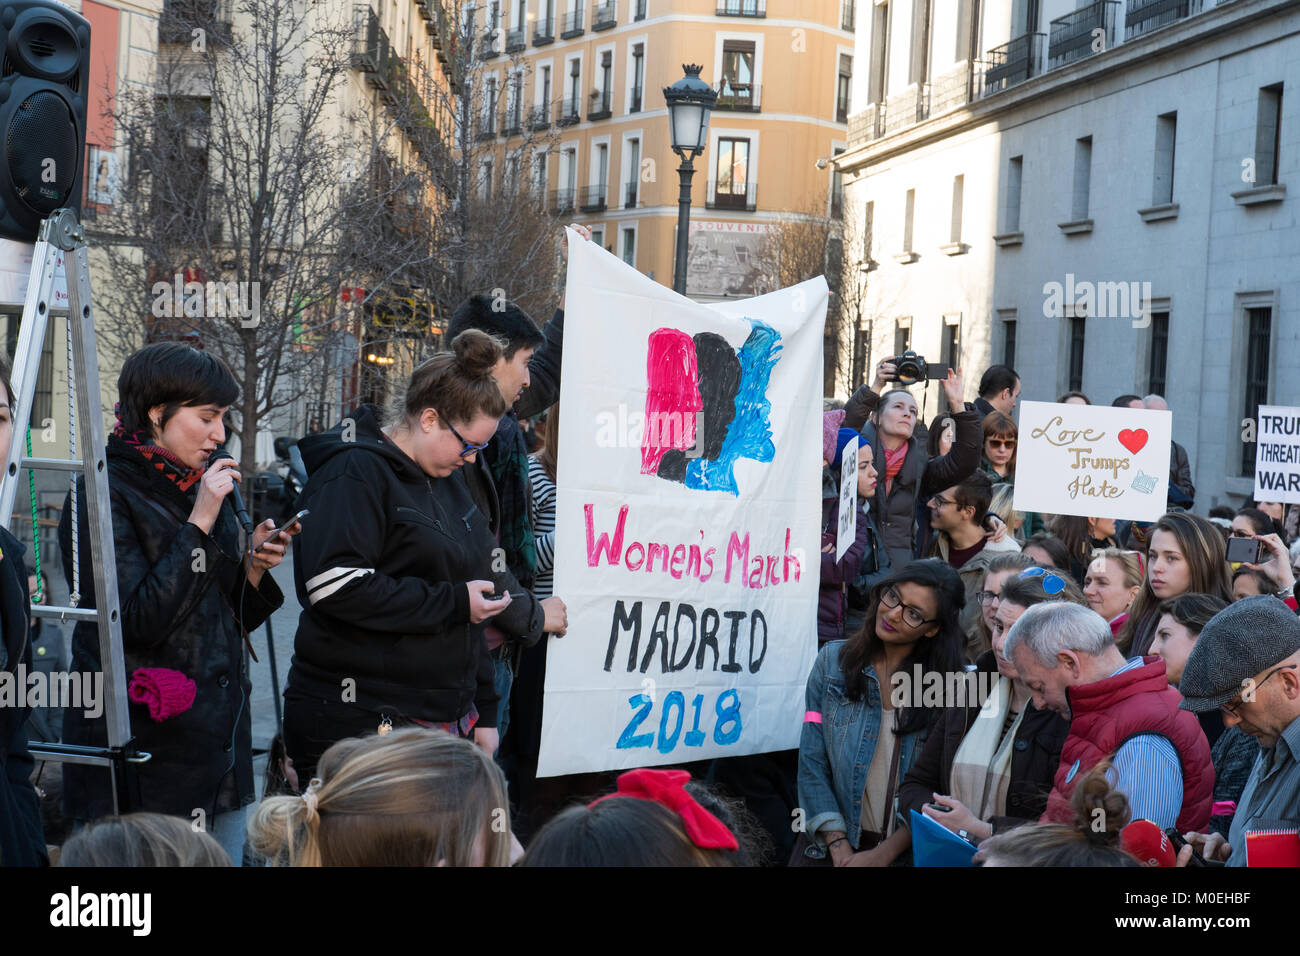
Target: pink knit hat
830, 429
167, 692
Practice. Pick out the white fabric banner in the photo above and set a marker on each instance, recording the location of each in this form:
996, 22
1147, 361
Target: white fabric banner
687, 521
1093, 460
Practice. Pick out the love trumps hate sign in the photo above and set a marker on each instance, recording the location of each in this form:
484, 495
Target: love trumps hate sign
689, 555
1093, 460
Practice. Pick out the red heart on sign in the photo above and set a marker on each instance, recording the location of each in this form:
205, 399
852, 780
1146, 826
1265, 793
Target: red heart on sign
1133, 439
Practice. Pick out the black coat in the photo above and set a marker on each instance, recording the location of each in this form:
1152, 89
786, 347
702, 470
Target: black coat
184, 597
381, 567
22, 842
1036, 755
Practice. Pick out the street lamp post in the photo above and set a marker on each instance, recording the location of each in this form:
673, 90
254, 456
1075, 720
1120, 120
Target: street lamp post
690, 100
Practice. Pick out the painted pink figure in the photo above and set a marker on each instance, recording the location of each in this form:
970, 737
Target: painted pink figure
672, 396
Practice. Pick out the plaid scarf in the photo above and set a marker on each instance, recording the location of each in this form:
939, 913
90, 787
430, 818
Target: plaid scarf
510, 474
172, 468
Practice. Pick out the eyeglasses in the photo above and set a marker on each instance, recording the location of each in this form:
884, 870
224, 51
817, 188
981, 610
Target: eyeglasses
940, 501
1052, 583
911, 616
988, 597
1231, 707
470, 448
1001, 442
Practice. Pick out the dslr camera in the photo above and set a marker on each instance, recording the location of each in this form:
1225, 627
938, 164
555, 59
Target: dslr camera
911, 368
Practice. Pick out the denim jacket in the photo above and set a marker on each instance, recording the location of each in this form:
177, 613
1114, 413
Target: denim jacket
836, 748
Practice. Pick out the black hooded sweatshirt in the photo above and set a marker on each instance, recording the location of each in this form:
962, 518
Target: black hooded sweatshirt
380, 567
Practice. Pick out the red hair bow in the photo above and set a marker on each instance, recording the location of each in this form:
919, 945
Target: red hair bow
668, 789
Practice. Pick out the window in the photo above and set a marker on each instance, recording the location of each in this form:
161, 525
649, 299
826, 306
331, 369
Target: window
602, 166
640, 10
514, 105
733, 173
601, 104
638, 76
629, 246
510, 183
738, 91
633, 173
539, 172
1258, 331
965, 32
1009, 341
909, 211
1082, 179
918, 70
573, 102
598, 237
1162, 190
1159, 353
1078, 327
544, 89
1011, 208
842, 83
1267, 136
837, 188
490, 105
958, 186
949, 354
876, 87
902, 335
868, 234
485, 179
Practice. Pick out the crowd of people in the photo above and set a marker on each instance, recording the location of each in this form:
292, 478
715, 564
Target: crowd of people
1128, 667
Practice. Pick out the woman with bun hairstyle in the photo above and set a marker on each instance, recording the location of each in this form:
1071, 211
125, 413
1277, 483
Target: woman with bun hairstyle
392, 567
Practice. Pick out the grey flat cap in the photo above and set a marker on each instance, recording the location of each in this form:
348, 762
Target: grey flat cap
1243, 639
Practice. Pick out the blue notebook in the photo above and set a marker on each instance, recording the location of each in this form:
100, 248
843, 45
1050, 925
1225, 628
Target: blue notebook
935, 845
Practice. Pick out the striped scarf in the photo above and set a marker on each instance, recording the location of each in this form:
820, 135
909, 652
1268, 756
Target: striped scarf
169, 466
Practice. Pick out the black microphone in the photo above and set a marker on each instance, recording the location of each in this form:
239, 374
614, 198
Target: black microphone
237, 500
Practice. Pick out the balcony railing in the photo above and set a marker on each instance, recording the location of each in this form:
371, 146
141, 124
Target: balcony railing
746, 200
180, 18
604, 15
601, 105
370, 50
635, 105
1074, 36
516, 40
514, 122
425, 7
906, 108
540, 117
593, 198
562, 199
741, 98
544, 32
572, 24
489, 45
742, 8
1143, 16
570, 111
1013, 62
629, 195
868, 125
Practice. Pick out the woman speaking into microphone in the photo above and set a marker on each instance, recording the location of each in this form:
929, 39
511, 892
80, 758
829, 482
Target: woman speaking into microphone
392, 567
188, 593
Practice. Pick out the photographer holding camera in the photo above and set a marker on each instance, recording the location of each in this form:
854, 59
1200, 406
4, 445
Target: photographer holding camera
909, 476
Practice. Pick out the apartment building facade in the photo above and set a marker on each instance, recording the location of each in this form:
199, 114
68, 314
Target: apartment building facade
1096, 196
592, 75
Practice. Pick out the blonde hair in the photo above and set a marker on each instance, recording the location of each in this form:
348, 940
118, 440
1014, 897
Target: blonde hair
142, 839
1130, 564
414, 797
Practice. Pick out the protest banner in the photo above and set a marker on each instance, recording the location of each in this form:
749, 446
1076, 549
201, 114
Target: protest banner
687, 521
1277, 454
1093, 460
847, 527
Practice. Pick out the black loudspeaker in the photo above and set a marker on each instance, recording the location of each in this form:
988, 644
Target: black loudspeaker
44, 81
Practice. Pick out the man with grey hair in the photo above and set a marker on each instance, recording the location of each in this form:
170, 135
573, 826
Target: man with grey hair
1120, 710
1246, 663
1182, 493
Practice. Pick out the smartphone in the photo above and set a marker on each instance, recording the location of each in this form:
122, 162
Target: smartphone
1245, 551
288, 524
498, 597
1178, 842
942, 808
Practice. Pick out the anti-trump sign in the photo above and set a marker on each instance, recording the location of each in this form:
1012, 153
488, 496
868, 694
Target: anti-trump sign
687, 524
1277, 454
1092, 460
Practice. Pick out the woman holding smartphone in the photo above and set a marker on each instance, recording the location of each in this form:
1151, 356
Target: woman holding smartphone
189, 593
393, 566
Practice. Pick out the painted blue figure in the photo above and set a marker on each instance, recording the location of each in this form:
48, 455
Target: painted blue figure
750, 432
